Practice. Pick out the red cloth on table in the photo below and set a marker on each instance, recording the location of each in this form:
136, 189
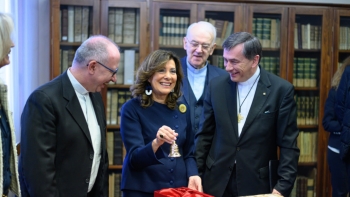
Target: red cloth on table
179, 192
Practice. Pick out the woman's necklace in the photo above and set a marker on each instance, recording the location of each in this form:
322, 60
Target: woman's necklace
239, 116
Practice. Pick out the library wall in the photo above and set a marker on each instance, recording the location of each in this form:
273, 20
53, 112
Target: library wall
298, 45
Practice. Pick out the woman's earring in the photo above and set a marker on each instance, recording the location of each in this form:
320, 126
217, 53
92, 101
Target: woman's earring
172, 91
148, 90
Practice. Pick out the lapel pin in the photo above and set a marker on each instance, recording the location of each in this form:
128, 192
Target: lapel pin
182, 108
264, 93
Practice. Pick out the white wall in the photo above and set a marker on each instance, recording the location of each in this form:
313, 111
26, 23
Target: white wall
30, 58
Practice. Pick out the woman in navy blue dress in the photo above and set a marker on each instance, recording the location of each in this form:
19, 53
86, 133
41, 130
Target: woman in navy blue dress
150, 123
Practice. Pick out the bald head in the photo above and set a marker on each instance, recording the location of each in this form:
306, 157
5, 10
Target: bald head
95, 63
94, 48
202, 27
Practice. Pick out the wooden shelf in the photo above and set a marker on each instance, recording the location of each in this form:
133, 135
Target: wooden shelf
308, 164
115, 167
308, 126
110, 127
120, 86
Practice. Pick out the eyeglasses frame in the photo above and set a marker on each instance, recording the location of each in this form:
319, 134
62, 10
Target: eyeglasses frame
110, 70
204, 48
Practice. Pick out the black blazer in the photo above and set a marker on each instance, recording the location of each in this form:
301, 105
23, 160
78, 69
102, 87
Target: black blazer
56, 149
271, 122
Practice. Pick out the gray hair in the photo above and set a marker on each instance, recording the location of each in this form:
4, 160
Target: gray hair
205, 26
251, 47
93, 49
6, 28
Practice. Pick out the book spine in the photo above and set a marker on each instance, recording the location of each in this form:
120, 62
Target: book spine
70, 23
64, 25
129, 66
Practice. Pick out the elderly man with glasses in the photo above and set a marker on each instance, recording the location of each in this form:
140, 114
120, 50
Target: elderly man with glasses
199, 44
63, 138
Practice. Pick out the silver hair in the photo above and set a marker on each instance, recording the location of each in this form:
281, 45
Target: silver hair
93, 49
205, 26
6, 28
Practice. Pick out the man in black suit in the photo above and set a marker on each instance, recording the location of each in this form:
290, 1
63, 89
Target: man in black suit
247, 115
199, 43
63, 144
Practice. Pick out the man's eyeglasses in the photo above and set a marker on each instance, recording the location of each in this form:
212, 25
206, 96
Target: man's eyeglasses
110, 70
195, 45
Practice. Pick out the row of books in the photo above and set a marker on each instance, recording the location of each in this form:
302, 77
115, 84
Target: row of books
114, 185
217, 60
307, 109
305, 186
307, 143
224, 29
268, 31
307, 36
172, 30
344, 38
124, 25
271, 64
305, 72
115, 99
67, 57
129, 61
115, 148
75, 23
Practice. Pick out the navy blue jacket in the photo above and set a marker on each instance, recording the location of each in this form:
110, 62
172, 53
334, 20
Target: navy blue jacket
212, 72
343, 113
330, 121
144, 170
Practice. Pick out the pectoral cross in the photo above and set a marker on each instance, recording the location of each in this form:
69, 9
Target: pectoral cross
239, 117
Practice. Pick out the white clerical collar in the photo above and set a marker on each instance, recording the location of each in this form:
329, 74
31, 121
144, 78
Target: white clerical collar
76, 85
196, 71
251, 80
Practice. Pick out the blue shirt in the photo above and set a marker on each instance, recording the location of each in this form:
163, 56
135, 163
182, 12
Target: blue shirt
196, 78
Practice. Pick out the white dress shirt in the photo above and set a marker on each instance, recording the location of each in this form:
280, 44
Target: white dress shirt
243, 88
94, 128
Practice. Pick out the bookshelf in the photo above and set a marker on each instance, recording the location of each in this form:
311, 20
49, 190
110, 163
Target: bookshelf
308, 63
222, 16
163, 14
341, 37
266, 25
60, 45
160, 21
